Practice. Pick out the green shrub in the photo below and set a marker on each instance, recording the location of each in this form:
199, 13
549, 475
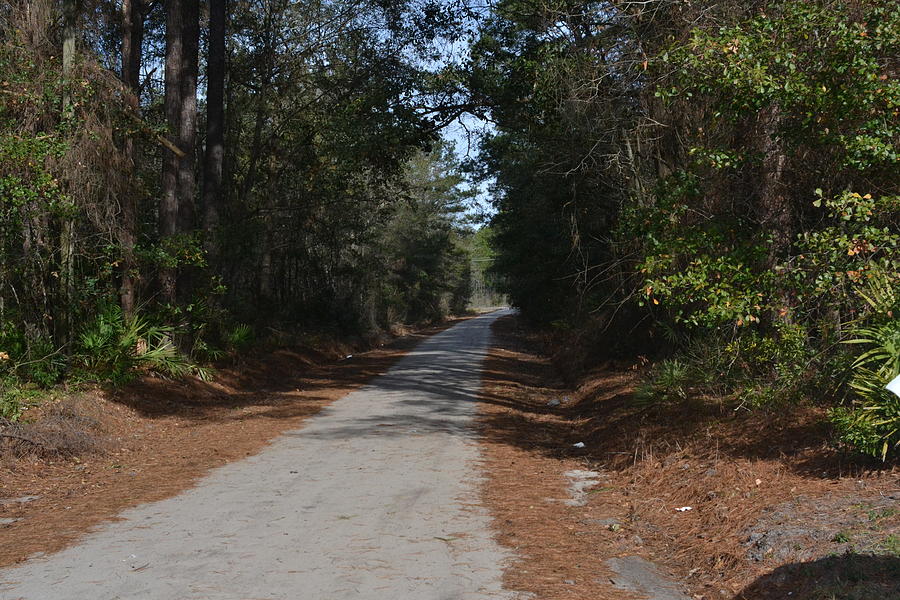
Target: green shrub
10, 404
30, 356
747, 366
871, 423
864, 430
15, 396
669, 381
239, 338
114, 348
43, 364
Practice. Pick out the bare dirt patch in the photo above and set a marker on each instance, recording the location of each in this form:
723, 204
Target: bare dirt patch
155, 438
772, 509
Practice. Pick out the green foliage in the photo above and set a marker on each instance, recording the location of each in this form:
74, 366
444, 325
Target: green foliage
29, 357
870, 421
486, 285
773, 295
705, 272
552, 159
10, 399
332, 212
175, 251
114, 349
322, 140
16, 396
841, 537
239, 338
883, 353
669, 381
747, 368
61, 177
822, 76
718, 176
429, 262
700, 274
45, 364
725, 172
823, 67
700, 271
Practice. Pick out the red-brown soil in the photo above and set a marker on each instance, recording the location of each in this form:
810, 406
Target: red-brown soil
774, 509
156, 437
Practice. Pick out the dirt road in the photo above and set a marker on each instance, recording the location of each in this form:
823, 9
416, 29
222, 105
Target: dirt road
376, 497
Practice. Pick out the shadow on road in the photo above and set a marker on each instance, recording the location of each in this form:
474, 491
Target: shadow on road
286, 383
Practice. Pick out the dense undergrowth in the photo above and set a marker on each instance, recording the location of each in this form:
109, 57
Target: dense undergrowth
301, 190
713, 186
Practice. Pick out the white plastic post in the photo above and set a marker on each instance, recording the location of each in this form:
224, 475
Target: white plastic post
894, 385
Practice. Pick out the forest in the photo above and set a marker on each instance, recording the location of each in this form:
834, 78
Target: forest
181, 179
712, 185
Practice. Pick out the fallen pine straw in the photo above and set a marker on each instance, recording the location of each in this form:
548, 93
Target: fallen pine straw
731, 468
156, 438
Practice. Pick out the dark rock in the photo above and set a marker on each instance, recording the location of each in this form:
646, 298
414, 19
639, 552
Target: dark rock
636, 574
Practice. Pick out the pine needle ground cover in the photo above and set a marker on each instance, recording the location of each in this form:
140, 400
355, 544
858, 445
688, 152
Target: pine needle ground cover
773, 509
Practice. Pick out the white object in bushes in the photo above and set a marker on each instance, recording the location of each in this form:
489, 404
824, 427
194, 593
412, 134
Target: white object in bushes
894, 385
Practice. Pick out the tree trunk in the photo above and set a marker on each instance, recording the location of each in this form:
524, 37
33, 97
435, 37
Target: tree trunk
67, 226
187, 137
168, 207
773, 206
70, 15
132, 40
215, 123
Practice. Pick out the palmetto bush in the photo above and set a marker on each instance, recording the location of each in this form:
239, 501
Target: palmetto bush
872, 422
114, 348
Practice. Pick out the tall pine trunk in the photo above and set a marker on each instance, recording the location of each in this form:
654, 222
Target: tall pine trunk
215, 124
773, 205
132, 40
67, 225
168, 206
187, 136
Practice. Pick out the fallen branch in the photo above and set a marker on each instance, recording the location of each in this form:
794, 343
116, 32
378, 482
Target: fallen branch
22, 439
162, 140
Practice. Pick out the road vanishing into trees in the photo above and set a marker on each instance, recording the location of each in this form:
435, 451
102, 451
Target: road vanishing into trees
374, 498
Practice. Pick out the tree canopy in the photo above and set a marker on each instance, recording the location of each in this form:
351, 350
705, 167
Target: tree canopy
712, 182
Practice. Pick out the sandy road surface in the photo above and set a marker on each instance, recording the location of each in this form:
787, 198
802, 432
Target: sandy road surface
374, 498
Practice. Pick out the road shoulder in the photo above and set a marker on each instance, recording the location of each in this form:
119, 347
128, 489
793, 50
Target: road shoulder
721, 505
157, 438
